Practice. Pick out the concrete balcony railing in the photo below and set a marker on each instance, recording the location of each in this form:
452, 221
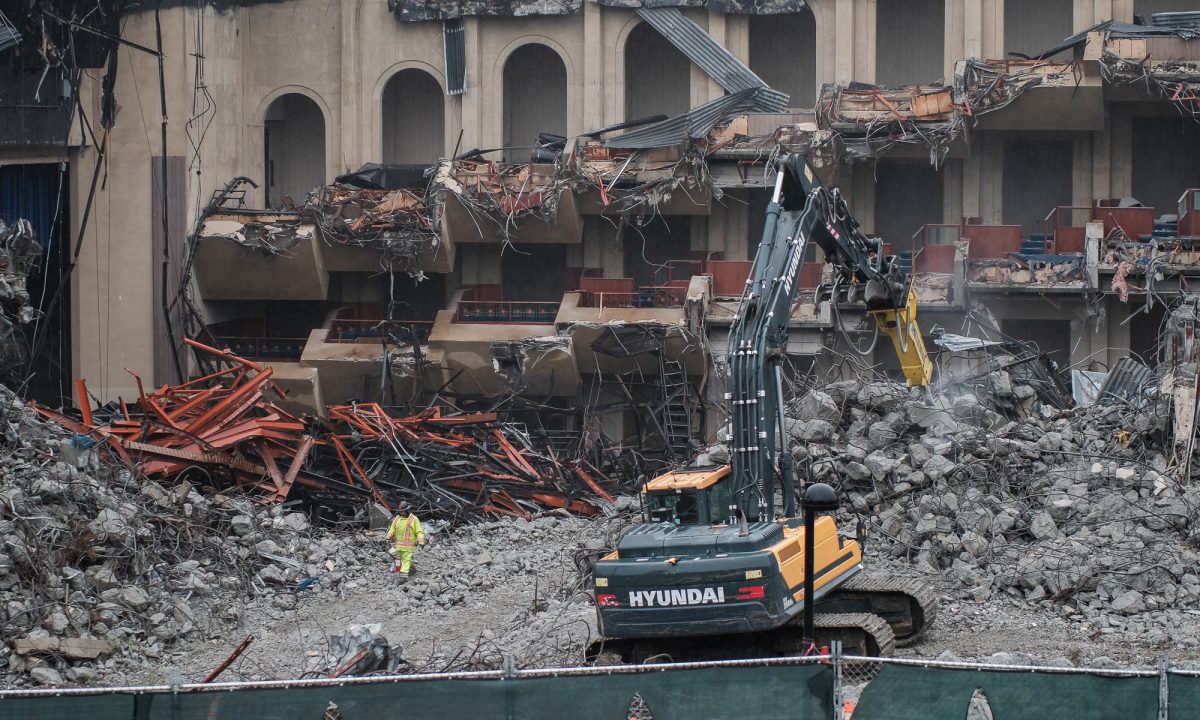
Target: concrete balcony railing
674, 316
491, 347
258, 255
282, 355
349, 354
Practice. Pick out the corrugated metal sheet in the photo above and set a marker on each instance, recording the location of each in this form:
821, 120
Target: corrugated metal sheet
1186, 20
693, 41
1126, 383
702, 118
454, 38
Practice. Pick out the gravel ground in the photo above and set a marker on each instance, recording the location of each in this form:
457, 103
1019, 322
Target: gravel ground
512, 588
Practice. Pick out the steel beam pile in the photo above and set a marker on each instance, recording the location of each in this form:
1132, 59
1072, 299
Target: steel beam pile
221, 431
459, 466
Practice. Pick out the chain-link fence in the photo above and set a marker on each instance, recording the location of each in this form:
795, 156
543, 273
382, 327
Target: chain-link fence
829, 687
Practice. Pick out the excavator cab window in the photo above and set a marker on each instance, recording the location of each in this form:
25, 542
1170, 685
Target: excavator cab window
720, 497
681, 508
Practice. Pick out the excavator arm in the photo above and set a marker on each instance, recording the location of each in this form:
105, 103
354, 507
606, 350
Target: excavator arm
801, 210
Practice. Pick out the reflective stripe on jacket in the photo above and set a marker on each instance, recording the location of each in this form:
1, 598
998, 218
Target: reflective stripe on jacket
406, 531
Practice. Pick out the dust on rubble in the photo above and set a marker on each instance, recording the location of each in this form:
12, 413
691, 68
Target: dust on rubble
1056, 537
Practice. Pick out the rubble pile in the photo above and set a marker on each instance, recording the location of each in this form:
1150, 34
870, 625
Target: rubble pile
396, 222
221, 430
1076, 510
103, 572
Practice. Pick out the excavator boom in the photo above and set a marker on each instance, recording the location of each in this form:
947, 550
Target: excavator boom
713, 569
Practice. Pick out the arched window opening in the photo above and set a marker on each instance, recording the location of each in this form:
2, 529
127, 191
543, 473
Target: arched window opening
414, 119
294, 141
535, 98
657, 76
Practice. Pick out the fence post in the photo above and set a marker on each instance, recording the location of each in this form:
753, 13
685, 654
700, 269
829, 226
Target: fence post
835, 650
1164, 691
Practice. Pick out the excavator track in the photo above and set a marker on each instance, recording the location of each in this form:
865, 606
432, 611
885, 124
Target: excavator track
908, 605
860, 634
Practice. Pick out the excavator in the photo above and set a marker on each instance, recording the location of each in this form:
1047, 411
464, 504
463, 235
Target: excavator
712, 571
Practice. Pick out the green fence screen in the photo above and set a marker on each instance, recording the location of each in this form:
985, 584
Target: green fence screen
909, 692
794, 692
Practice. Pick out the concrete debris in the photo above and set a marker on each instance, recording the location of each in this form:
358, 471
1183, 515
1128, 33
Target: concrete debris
103, 572
395, 222
1072, 509
362, 649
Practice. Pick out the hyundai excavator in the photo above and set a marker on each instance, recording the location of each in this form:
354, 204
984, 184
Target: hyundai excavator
713, 572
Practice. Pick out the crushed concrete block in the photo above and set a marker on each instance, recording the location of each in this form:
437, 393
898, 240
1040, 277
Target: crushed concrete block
1042, 526
46, 676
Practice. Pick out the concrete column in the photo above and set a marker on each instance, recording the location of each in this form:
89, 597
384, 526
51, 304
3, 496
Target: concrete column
472, 99
1120, 153
1082, 183
1082, 12
862, 195
737, 36
864, 42
844, 27
825, 14
1122, 11
993, 28
991, 183
956, 33
593, 66
350, 104
972, 178
704, 88
952, 191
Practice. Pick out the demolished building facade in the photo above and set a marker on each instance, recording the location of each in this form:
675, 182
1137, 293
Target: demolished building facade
519, 239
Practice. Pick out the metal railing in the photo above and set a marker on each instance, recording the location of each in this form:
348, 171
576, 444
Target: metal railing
260, 348
406, 331
647, 297
515, 312
678, 270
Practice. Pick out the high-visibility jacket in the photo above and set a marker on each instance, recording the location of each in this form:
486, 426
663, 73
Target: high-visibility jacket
407, 532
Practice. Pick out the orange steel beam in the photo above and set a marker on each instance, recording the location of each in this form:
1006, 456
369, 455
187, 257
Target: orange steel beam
593, 484
252, 386
85, 404
230, 357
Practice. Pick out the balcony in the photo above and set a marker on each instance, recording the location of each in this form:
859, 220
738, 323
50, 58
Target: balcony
998, 259
675, 314
729, 280
349, 354
363, 227
482, 202
282, 355
1014, 94
649, 182
259, 255
490, 348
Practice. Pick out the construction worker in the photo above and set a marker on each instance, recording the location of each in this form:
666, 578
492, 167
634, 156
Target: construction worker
407, 533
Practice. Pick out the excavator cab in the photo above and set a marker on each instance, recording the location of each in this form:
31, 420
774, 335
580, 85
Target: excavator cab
691, 496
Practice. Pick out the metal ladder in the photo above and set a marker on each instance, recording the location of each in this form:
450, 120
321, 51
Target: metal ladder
674, 414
